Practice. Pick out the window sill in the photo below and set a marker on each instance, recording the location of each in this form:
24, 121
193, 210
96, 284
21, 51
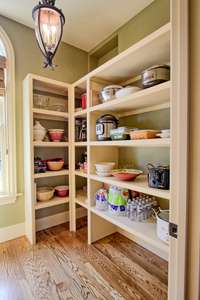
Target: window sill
9, 199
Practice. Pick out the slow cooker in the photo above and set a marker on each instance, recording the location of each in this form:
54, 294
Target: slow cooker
103, 126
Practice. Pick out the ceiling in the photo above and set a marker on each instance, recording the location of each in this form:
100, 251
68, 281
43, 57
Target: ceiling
88, 22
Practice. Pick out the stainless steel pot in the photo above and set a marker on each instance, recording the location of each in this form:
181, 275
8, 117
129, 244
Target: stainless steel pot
108, 92
103, 126
163, 225
155, 75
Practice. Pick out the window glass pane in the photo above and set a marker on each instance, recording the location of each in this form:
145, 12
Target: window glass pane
3, 154
3, 139
2, 49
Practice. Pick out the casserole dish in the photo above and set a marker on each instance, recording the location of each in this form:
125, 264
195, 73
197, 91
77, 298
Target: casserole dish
144, 134
120, 133
155, 75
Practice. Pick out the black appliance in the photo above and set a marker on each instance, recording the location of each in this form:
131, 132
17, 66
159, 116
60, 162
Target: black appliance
158, 176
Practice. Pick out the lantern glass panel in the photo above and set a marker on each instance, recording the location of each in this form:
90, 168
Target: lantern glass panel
48, 29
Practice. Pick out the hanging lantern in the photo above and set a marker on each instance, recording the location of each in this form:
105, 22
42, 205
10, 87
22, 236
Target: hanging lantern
49, 22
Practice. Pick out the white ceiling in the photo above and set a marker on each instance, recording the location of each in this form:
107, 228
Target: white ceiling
88, 22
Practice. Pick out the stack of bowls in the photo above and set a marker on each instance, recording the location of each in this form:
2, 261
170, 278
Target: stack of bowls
104, 169
56, 134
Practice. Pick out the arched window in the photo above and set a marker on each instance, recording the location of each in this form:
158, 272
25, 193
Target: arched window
7, 121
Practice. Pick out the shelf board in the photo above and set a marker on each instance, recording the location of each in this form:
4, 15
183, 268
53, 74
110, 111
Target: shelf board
81, 113
147, 99
51, 174
50, 144
81, 173
134, 143
81, 198
49, 114
152, 50
143, 230
140, 185
53, 202
81, 144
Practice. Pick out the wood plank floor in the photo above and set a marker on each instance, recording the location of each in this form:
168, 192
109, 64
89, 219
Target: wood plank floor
63, 267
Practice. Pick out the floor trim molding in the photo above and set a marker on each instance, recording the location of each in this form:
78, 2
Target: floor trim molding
18, 230
57, 219
12, 232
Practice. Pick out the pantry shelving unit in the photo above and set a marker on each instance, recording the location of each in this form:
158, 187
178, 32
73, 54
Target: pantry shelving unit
54, 92
153, 49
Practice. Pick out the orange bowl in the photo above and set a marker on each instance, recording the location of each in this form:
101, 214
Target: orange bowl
55, 165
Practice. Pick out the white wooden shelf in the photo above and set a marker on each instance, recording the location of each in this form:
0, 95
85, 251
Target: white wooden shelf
53, 202
134, 143
143, 230
152, 50
62, 172
50, 144
140, 184
81, 198
147, 100
80, 173
80, 113
49, 114
81, 144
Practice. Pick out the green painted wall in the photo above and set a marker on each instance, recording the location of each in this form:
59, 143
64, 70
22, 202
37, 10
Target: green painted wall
72, 64
151, 18
140, 157
148, 20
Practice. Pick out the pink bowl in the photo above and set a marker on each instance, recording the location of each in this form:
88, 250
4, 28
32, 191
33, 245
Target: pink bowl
125, 174
56, 136
62, 191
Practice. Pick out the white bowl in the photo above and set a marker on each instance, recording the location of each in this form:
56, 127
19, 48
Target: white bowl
104, 174
104, 166
127, 91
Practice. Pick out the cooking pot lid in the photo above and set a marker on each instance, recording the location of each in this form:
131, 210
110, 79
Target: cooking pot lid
107, 118
164, 66
108, 87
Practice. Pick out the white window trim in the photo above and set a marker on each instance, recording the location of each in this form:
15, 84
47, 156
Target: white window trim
10, 94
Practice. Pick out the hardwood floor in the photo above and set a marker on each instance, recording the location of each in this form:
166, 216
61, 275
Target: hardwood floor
63, 267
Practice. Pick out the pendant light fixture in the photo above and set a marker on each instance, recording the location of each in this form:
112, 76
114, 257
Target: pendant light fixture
49, 22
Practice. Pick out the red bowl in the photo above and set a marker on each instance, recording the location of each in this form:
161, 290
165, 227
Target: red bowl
56, 136
62, 191
125, 175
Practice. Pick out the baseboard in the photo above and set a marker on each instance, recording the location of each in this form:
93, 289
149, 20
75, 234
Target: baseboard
12, 232
18, 230
144, 244
58, 219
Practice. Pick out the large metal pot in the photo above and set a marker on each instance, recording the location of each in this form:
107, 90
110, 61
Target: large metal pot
155, 75
108, 92
103, 126
163, 226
